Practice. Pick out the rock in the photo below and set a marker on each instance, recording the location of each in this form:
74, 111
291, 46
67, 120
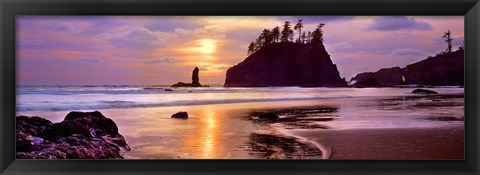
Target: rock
195, 79
386, 77
423, 91
286, 64
182, 84
76, 114
30, 126
168, 90
81, 135
268, 116
180, 115
441, 70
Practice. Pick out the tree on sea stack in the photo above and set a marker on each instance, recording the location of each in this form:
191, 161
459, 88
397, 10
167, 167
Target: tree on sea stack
299, 27
448, 39
287, 32
317, 35
276, 34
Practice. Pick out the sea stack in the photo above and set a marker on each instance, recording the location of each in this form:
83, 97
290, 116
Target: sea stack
443, 69
195, 79
286, 64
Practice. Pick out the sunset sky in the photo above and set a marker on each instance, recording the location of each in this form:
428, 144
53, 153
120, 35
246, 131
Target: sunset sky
147, 50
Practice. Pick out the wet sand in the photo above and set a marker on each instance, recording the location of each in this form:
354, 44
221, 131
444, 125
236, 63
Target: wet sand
393, 144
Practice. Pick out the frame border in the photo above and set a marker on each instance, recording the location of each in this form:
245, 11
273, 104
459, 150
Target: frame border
11, 8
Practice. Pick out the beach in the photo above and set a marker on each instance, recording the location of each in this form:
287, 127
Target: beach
370, 123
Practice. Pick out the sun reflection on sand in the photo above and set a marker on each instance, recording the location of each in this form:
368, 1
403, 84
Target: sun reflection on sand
207, 133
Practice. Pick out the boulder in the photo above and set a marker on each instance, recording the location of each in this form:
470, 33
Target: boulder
81, 135
180, 115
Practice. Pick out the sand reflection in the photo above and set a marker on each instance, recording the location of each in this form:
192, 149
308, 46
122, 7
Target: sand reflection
206, 134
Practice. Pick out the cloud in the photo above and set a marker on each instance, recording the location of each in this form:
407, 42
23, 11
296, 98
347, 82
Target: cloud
392, 23
409, 52
26, 43
90, 60
163, 60
133, 34
342, 46
70, 27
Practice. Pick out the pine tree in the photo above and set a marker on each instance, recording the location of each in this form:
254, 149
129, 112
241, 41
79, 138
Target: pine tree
448, 39
299, 27
251, 48
276, 34
287, 33
304, 37
317, 35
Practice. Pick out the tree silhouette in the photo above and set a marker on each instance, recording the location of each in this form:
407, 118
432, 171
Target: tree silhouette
251, 48
299, 27
463, 45
276, 34
317, 35
448, 39
268, 37
309, 37
304, 37
287, 33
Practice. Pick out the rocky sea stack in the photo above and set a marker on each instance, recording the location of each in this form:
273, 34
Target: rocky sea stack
286, 64
445, 69
81, 135
195, 80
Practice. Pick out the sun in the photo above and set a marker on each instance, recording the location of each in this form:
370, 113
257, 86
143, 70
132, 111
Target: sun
207, 46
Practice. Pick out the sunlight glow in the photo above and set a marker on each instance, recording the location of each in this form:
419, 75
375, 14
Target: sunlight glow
207, 46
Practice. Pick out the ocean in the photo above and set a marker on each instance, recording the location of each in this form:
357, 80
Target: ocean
63, 98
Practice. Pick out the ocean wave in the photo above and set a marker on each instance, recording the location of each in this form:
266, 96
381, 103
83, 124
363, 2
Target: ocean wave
131, 104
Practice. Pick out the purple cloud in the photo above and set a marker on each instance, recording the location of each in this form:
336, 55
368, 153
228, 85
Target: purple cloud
409, 52
28, 43
139, 34
163, 60
68, 27
392, 23
90, 60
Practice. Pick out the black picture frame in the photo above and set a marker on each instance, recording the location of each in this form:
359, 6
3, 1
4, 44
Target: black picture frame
9, 9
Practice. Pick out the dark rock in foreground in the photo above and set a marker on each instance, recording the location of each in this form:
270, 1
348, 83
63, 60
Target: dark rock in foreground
81, 135
383, 78
286, 64
180, 115
195, 80
423, 91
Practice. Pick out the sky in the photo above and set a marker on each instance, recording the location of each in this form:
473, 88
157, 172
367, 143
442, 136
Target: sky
163, 50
